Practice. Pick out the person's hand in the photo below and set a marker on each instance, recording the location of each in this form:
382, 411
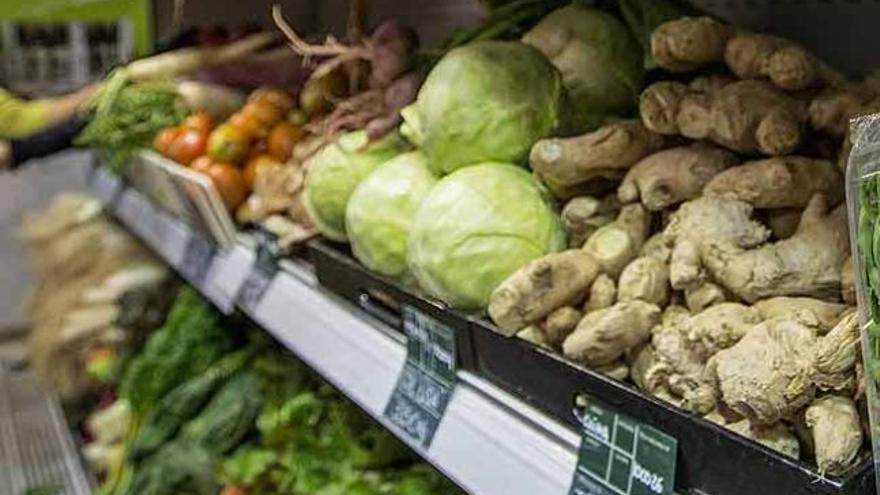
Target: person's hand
5, 155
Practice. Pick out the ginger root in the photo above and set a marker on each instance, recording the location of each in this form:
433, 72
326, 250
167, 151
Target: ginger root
821, 315
559, 324
646, 371
776, 436
703, 296
765, 376
719, 327
671, 176
783, 222
563, 164
656, 247
781, 182
848, 282
689, 43
545, 284
831, 110
605, 335
602, 295
837, 434
645, 279
806, 264
616, 244
701, 221
787, 64
583, 215
836, 355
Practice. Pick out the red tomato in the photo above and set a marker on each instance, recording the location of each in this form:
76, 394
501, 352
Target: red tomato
187, 146
201, 121
201, 164
164, 138
228, 180
228, 144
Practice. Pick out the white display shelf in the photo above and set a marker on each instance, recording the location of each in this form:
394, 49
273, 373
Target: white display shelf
488, 442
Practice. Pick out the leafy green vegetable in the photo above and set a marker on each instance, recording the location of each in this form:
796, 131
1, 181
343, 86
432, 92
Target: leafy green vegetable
335, 171
381, 211
476, 227
600, 61
229, 416
189, 342
486, 101
178, 468
128, 116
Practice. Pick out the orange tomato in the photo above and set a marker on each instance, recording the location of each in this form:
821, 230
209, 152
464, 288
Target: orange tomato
228, 144
164, 138
200, 121
233, 490
248, 126
187, 146
278, 98
201, 164
228, 180
263, 112
255, 166
282, 139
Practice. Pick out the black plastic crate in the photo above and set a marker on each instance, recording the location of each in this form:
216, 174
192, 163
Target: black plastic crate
382, 297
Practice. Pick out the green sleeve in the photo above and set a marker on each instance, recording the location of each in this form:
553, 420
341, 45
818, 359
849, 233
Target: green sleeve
21, 118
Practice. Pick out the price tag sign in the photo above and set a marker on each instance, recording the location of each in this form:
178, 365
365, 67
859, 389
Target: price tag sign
620, 456
426, 383
197, 259
262, 272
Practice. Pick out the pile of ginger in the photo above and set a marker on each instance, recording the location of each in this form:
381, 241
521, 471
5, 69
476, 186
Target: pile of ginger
709, 259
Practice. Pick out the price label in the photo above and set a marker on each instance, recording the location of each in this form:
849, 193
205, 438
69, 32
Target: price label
620, 456
197, 259
106, 185
262, 272
427, 380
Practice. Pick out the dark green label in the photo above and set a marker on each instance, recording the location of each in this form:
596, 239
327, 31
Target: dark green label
620, 456
427, 379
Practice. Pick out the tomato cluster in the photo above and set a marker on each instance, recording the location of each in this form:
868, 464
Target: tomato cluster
234, 153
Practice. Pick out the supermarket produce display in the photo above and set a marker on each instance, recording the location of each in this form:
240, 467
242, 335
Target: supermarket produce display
633, 207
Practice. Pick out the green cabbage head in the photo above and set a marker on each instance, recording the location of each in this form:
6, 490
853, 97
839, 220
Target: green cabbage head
382, 210
485, 101
336, 170
600, 61
476, 227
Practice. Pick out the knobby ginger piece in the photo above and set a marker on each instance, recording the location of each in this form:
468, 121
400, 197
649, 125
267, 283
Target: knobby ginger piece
617, 370
614, 245
646, 371
583, 215
535, 290
688, 43
783, 222
602, 295
565, 163
671, 176
645, 279
656, 247
534, 335
766, 375
682, 364
704, 220
703, 296
782, 182
776, 436
837, 434
848, 282
836, 355
720, 327
559, 324
821, 315
605, 335
788, 65
659, 105
831, 110
806, 264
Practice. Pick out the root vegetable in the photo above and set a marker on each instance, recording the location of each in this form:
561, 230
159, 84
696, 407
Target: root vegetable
807, 264
618, 370
836, 355
540, 287
720, 327
831, 110
559, 324
776, 436
671, 176
565, 163
821, 315
765, 376
655, 247
602, 295
783, 222
703, 296
674, 313
614, 245
646, 371
700, 222
848, 282
788, 65
645, 279
688, 43
583, 215
682, 366
605, 335
534, 335
782, 182
659, 106
837, 434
